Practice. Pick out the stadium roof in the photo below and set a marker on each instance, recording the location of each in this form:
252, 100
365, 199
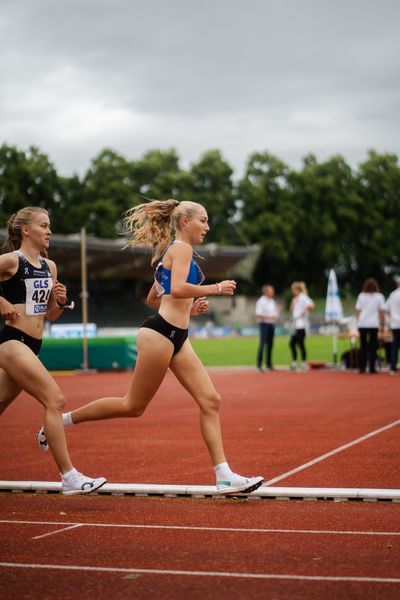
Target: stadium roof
106, 259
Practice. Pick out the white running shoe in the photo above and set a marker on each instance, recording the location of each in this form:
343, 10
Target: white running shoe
80, 484
42, 439
238, 484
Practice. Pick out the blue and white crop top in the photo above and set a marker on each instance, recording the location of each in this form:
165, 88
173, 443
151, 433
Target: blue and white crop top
162, 276
30, 285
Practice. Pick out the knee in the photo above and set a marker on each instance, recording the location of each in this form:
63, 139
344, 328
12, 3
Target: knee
131, 410
134, 412
57, 401
212, 403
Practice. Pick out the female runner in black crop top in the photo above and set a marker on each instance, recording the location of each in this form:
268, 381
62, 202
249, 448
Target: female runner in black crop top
29, 293
162, 340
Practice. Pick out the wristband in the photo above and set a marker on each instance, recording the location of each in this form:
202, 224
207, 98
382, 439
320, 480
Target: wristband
68, 304
218, 288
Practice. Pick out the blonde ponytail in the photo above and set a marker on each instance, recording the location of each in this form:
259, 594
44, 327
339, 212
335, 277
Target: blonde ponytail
154, 224
151, 225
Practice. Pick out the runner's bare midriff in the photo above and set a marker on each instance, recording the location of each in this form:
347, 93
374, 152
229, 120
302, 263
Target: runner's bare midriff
32, 325
176, 311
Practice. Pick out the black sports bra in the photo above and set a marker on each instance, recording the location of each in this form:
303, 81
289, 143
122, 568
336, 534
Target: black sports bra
30, 285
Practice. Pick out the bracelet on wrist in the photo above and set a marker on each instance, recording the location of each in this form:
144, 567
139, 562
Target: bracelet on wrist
218, 288
60, 306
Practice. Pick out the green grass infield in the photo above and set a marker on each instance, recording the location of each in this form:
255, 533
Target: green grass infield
242, 351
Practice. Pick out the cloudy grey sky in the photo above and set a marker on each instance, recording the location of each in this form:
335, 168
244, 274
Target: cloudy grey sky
287, 76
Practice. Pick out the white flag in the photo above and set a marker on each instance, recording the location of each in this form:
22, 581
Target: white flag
333, 307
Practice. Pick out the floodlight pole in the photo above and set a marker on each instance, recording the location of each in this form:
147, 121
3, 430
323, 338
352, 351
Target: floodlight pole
84, 296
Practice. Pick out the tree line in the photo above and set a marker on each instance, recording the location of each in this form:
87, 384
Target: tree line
322, 215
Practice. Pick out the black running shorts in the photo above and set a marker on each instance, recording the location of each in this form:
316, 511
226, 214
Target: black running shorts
8, 333
174, 334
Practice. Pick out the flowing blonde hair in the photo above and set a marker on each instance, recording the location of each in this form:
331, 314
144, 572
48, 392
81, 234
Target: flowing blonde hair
15, 223
154, 223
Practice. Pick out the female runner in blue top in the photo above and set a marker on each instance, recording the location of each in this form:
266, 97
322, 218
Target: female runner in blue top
172, 228
30, 293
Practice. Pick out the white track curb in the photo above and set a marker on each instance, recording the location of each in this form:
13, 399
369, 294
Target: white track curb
201, 491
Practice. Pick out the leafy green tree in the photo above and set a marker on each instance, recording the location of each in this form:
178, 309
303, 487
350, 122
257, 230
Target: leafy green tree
109, 189
305, 222
27, 179
157, 175
377, 240
113, 184
326, 207
69, 215
267, 216
211, 185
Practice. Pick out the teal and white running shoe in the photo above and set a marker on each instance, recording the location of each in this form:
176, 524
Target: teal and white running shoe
239, 485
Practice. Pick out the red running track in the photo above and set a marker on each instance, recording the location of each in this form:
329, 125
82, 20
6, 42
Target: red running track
246, 549
272, 423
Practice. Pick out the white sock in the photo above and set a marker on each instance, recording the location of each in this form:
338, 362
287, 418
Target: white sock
222, 471
67, 419
69, 474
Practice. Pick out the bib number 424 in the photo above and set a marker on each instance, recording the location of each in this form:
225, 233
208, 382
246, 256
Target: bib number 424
41, 296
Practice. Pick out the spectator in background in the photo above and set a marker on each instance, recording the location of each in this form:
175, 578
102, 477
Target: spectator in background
370, 313
393, 309
300, 305
267, 314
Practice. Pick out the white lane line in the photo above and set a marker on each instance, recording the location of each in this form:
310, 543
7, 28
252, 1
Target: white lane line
202, 573
332, 452
38, 537
192, 528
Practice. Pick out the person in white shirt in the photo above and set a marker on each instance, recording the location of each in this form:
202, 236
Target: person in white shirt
370, 313
393, 309
299, 307
267, 314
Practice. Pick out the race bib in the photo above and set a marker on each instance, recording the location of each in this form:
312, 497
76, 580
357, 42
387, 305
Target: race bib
37, 295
